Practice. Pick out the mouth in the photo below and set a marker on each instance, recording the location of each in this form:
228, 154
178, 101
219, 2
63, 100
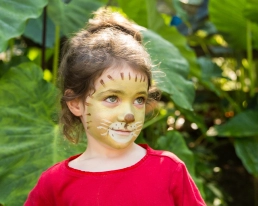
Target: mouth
122, 132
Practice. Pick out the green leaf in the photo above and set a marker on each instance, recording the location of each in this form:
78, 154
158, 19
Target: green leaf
174, 66
30, 139
243, 124
34, 30
135, 10
16, 60
13, 17
229, 19
246, 150
251, 10
73, 16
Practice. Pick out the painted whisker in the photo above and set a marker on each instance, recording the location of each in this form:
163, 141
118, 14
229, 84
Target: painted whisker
106, 121
105, 124
100, 127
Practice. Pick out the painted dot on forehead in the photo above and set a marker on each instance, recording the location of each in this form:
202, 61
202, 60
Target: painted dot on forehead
136, 78
129, 76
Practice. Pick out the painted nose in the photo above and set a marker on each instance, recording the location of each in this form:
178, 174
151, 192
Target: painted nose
129, 118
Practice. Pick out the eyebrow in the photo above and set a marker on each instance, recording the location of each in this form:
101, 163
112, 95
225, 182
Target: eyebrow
115, 91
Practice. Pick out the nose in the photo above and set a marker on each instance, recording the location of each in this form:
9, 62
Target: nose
126, 113
129, 118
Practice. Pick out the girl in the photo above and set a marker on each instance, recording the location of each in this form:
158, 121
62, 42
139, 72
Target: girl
105, 76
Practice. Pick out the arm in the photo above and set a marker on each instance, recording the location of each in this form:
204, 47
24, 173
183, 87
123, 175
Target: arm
37, 195
184, 190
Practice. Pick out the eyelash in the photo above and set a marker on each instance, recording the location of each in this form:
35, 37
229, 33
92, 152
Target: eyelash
106, 99
143, 100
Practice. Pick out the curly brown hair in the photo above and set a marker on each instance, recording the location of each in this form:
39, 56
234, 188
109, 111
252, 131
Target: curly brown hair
108, 40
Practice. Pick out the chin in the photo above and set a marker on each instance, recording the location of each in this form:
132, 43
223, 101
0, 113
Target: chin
120, 145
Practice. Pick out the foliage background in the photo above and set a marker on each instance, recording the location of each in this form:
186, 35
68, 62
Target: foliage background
208, 113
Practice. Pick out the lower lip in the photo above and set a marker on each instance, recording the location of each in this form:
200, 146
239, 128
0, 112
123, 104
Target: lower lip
123, 133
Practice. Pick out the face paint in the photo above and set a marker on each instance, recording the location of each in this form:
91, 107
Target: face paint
114, 114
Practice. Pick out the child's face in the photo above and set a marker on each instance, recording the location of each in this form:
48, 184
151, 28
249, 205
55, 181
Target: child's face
114, 114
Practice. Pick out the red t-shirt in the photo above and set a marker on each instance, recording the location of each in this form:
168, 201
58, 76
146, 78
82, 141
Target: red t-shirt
158, 179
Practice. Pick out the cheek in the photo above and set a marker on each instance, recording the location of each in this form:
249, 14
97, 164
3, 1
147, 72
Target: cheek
139, 114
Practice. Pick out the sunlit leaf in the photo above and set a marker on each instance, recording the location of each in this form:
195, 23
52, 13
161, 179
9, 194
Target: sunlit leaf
13, 17
30, 139
229, 19
135, 10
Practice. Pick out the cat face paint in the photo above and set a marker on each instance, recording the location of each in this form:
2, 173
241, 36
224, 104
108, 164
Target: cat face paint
114, 114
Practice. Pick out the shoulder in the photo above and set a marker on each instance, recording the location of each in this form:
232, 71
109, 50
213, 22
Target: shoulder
163, 154
164, 158
57, 169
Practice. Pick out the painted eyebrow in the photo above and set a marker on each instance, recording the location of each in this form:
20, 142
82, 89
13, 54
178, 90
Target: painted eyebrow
114, 91
111, 91
143, 92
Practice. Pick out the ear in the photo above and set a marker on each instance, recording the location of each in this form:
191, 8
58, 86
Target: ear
74, 105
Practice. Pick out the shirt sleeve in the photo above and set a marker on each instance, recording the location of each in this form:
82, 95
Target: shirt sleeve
184, 190
37, 195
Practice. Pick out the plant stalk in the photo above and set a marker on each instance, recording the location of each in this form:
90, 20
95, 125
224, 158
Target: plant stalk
147, 124
252, 72
44, 31
56, 54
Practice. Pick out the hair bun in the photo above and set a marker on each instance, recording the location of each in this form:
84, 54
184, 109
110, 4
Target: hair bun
105, 18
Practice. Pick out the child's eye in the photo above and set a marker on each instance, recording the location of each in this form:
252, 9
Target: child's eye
111, 99
139, 100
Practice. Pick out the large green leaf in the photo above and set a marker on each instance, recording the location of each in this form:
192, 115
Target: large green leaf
73, 16
244, 124
247, 149
135, 10
29, 137
228, 17
34, 29
13, 17
175, 68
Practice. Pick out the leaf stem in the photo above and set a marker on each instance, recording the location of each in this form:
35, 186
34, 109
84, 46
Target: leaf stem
44, 31
249, 48
154, 120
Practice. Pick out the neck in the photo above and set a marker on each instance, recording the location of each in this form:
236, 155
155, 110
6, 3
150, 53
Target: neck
97, 149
